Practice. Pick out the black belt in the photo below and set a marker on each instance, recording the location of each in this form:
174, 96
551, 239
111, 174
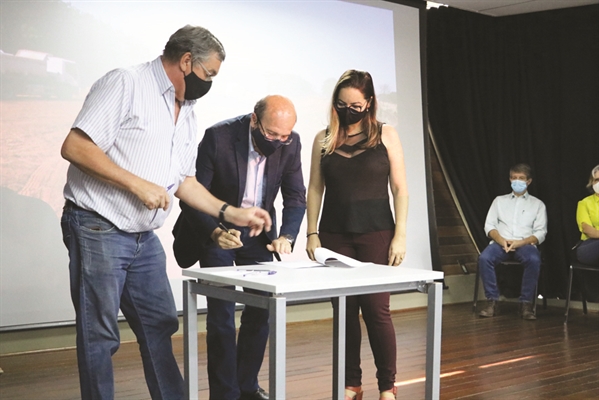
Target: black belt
69, 204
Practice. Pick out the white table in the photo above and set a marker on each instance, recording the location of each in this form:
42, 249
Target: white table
308, 284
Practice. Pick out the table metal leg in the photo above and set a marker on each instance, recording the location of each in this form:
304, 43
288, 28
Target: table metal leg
277, 347
433, 341
190, 340
339, 308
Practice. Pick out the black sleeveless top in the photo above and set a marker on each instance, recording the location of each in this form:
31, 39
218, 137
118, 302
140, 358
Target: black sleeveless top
356, 198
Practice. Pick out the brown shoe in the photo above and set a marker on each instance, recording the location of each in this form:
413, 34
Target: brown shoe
490, 310
527, 312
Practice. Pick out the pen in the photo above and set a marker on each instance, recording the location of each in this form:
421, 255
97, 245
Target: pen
224, 228
258, 271
169, 187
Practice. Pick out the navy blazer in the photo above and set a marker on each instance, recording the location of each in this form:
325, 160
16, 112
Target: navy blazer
221, 166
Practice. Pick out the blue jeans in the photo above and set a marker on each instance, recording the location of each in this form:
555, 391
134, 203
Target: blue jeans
527, 255
233, 366
109, 269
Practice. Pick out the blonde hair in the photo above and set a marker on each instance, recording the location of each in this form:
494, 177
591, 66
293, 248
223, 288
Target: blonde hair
336, 135
592, 178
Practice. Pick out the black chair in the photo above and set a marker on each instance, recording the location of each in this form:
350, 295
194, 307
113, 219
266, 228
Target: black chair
579, 266
511, 263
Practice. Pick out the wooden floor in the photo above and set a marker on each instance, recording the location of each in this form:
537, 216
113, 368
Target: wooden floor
498, 358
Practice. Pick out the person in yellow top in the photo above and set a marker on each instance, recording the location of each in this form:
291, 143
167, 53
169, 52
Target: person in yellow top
587, 217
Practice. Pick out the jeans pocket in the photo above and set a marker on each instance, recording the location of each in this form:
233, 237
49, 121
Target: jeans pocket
94, 223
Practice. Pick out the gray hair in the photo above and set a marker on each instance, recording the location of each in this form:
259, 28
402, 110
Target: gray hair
196, 40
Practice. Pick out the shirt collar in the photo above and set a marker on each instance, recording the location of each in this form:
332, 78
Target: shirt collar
164, 83
524, 196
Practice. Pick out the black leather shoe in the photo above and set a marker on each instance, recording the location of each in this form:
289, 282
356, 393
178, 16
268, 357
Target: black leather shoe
259, 394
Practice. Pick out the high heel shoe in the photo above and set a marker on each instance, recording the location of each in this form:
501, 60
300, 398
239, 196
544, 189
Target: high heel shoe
353, 393
388, 394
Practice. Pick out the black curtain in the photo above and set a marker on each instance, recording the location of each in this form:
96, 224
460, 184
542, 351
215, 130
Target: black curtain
516, 89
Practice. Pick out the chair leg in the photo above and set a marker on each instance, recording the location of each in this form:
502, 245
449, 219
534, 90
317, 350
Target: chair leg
534, 300
569, 294
580, 282
544, 283
476, 289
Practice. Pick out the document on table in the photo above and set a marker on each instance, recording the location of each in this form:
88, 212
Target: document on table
324, 258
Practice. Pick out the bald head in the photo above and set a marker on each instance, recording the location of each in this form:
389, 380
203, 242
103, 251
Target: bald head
276, 114
275, 106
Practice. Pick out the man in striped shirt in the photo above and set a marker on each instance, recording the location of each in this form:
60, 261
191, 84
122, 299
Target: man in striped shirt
131, 149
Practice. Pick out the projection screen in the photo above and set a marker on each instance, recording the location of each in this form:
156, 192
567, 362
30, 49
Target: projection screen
53, 51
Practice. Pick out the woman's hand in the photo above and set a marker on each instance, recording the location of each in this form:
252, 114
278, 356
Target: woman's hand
312, 244
397, 251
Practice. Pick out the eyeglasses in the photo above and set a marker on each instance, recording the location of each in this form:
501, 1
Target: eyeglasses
206, 72
284, 140
353, 108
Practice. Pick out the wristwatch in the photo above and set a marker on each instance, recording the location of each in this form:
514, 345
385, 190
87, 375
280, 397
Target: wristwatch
288, 238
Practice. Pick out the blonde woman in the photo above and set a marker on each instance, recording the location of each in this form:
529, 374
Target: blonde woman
587, 218
356, 159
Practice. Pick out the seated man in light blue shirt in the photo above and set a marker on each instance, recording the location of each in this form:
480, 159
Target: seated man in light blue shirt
516, 223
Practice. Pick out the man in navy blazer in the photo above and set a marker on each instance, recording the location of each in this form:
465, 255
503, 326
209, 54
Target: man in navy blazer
244, 161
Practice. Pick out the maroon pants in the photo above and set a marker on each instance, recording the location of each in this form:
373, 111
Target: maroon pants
367, 247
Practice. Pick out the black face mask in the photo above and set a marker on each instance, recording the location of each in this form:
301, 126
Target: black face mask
349, 116
266, 147
195, 87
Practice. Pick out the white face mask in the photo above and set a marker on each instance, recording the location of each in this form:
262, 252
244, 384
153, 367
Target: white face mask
596, 187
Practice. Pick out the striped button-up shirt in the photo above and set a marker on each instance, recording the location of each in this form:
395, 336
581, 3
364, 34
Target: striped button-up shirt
517, 217
130, 115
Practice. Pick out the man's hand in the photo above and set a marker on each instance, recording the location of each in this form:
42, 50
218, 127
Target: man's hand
198, 197
500, 240
226, 240
152, 195
512, 245
280, 245
255, 218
